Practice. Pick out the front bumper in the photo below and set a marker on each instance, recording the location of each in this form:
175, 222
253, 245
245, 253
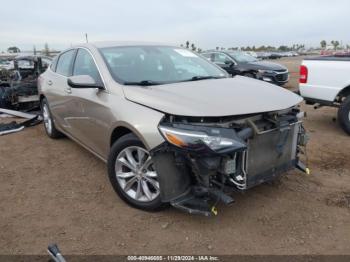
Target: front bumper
196, 181
275, 77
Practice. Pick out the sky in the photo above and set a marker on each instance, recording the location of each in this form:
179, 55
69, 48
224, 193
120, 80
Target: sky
207, 23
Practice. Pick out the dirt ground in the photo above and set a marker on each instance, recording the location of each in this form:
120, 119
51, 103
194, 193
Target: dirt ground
55, 191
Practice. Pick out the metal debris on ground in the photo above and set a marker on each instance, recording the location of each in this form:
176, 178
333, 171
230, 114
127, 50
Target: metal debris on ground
13, 126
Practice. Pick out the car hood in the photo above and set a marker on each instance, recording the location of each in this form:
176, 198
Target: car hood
262, 65
214, 97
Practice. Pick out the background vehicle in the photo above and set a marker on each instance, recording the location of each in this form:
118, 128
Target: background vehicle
18, 81
275, 55
240, 63
172, 127
325, 81
251, 53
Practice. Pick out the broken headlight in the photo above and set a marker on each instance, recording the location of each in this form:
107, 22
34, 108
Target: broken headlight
196, 139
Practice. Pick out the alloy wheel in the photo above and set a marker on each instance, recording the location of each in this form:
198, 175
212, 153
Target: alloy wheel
47, 119
136, 175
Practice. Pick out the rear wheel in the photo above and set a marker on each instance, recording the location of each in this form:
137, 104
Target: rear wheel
132, 174
49, 125
344, 115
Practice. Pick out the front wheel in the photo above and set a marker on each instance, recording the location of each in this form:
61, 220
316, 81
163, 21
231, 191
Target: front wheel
132, 174
344, 115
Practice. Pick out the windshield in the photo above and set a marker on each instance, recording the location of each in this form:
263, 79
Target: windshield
241, 57
157, 65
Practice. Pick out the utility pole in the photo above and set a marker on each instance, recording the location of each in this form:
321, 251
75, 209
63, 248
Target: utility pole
86, 37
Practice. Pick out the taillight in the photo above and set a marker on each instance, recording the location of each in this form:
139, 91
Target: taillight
303, 74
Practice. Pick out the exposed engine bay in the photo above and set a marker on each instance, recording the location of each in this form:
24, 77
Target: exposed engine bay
205, 159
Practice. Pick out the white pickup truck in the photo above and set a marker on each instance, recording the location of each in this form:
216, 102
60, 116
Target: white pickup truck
325, 81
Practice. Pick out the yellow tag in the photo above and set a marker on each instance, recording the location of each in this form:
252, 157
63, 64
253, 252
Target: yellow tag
214, 210
308, 171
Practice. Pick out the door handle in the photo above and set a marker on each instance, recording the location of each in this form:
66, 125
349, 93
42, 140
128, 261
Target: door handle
49, 83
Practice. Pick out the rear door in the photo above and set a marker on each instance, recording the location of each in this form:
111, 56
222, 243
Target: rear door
58, 90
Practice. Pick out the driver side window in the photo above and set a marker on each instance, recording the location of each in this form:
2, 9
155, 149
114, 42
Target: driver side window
221, 58
85, 65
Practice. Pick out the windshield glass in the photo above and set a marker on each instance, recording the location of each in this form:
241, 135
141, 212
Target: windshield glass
157, 64
241, 57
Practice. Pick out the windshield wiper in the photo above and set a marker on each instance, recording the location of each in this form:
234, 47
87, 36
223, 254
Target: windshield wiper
142, 83
197, 78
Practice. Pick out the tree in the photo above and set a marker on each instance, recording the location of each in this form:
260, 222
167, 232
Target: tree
283, 48
217, 48
13, 49
335, 44
323, 44
46, 50
193, 47
187, 44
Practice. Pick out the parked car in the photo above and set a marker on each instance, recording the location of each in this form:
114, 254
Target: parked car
325, 81
172, 126
6, 64
251, 53
275, 55
263, 55
240, 63
18, 81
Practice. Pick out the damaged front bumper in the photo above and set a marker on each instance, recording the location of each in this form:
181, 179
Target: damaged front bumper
204, 160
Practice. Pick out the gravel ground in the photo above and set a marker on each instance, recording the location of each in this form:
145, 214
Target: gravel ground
55, 191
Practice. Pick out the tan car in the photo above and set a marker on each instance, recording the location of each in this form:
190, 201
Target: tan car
172, 126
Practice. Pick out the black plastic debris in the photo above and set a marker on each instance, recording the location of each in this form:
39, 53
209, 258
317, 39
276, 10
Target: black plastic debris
13, 126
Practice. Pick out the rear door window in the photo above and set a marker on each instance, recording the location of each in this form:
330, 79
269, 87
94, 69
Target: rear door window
64, 63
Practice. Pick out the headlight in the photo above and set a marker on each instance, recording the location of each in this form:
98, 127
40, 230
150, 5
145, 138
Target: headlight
196, 139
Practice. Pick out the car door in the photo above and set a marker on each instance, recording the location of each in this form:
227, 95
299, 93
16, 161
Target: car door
92, 115
58, 90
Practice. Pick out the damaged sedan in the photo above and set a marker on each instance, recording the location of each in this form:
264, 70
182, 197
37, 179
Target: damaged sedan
171, 126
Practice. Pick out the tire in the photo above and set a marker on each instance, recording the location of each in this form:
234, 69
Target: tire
137, 186
344, 115
49, 124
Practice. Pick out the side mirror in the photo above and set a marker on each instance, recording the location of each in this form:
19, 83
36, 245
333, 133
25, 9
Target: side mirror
83, 81
229, 63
